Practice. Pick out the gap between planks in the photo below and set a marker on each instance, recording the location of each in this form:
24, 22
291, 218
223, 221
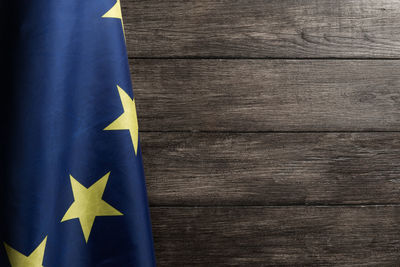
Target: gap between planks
271, 132
264, 58
312, 205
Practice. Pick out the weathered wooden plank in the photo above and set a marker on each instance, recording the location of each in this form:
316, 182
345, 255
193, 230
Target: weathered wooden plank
271, 168
277, 236
273, 28
267, 95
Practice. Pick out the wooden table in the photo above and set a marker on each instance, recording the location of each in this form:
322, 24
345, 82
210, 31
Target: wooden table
270, 129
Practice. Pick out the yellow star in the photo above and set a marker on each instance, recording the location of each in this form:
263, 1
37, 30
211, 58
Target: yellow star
116, 13
128, 119
89, 204
17, 259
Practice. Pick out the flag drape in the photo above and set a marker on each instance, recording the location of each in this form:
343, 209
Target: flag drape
72, 184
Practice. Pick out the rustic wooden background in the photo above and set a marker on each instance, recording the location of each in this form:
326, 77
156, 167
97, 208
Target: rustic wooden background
270, 129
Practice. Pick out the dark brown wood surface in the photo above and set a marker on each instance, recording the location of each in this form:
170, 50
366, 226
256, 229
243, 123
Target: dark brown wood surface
277, 236
263, 28
267, 95
270, 129
213, 169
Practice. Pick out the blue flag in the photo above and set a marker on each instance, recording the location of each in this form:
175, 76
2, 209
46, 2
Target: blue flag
72, 185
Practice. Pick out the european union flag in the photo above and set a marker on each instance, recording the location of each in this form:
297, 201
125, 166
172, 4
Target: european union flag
72, 184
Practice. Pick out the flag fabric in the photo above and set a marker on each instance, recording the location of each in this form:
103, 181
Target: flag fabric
72, 184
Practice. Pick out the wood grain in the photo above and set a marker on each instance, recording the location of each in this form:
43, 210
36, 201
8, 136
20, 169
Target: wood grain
261, 144
267, 95
259, 28
271, 168
277, 236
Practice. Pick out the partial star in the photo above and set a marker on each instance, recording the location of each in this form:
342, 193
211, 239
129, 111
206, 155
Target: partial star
116, 13
89, 204
128, 119
35, 259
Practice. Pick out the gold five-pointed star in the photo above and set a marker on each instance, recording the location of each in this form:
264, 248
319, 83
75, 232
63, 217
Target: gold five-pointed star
128, 119
35, 259
89, 204
115, 13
